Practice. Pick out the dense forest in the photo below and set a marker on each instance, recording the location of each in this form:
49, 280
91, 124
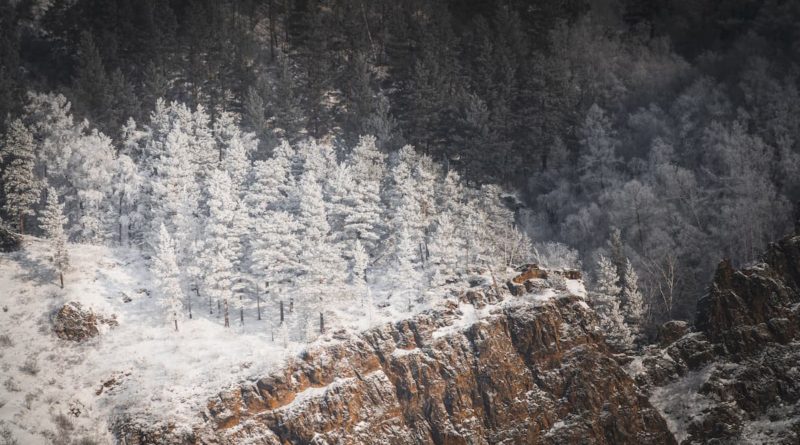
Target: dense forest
664, 132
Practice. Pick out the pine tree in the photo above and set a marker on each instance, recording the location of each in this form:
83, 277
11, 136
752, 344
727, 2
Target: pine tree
366, 161
445, 249
274, 249
360, 262
51, 222
217, 251
20, 185
322, 266
607, 299
165, 269
632, 298
404, 273
617, 251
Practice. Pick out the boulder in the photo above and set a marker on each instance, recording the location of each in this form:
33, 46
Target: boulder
73, 322
529, 271
671, 331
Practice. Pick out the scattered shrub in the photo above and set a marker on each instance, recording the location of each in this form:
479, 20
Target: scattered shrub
11, 385
31, 366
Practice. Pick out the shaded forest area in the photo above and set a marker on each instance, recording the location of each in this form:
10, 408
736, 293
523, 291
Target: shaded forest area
674, 122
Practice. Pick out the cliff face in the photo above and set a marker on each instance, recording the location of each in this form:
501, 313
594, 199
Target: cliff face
736, 379
528, 371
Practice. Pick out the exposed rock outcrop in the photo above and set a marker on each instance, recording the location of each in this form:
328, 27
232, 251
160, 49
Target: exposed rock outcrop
739, 371
527, 372
73, 322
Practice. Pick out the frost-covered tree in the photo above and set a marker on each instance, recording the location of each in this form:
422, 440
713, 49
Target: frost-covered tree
445, 249
366, 161
338, 194
633, 302
51, 222
607, 299
89, 183
20, 184
165, 269
217, 251
322, 266
235, 147
274, 250
125, 189
403, 271
360, 262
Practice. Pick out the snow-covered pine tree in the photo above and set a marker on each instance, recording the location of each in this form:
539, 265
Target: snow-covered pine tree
126, 185
632, 298
217, 251
607, 300
338, 193
360, 262
404, 275
445, 250
188, 240
323, 268
89, 187
617, 254
367, 166
51, 222
234, 147
273, 252
366, 162
20, 185
165, 269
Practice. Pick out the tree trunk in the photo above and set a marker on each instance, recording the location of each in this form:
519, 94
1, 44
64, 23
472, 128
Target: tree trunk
120, 218
241, 310
175, 318
197, 293
61, 278
321, 323
227, 321
281, 311
258, 305
21, 223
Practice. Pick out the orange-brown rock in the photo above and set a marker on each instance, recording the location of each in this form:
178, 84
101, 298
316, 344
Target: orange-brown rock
530, 271
525, 373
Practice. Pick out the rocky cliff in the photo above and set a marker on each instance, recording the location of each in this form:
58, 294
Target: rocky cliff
736, 377
528, 364
525, 370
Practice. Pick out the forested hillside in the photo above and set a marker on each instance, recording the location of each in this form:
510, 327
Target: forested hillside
675, 122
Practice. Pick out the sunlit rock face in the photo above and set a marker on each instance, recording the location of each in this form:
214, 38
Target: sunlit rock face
519, 371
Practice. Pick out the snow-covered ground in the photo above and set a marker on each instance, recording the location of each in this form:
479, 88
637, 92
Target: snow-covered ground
154, 369
680, 402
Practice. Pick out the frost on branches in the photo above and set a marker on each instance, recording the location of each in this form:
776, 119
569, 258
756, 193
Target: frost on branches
315, 229
52, 222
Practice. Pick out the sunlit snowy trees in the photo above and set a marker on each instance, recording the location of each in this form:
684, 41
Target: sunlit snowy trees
52, 222
607, 302
299, 228
20, 185
165, 269
217, 255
